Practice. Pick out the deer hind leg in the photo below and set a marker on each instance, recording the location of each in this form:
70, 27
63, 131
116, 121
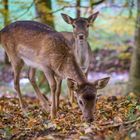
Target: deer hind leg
52, 83
40, 96
17, 66
58, 91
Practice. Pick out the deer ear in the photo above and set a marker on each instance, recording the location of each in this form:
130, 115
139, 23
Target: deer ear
67, 18
92, 17
101, 83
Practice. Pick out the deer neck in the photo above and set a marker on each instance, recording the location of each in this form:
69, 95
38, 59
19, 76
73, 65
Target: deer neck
74, 72
82, 54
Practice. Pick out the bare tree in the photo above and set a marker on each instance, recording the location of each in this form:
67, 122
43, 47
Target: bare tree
134, 79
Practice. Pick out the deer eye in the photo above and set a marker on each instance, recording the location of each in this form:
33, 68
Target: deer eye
81, 103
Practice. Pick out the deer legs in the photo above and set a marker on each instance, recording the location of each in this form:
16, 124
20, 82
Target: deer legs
17, 69
71, 95
54, 82
53, 86
70, 90
58, 91
40, 96
17, 65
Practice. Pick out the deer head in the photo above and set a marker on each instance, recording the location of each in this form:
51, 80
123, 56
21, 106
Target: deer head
86, 96
80, 25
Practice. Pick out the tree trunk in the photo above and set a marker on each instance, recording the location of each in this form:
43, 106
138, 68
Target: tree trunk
6, 22
134, 78
44, 11
78, 11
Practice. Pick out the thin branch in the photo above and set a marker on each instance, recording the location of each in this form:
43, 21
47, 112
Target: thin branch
57, 10
60, 9
120, 124
97, 3
50, 12
24, 12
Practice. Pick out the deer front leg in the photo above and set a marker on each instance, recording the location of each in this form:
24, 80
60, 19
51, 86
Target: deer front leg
72, 96
70, 90
41, 98
52, 83
58, 91
86, 73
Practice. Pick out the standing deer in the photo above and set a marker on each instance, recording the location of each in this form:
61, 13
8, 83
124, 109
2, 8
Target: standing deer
79, 43
39, 46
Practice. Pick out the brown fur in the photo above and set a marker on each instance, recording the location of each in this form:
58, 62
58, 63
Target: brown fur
80, 46
41, 47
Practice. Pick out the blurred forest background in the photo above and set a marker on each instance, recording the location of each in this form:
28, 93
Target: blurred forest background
113, 37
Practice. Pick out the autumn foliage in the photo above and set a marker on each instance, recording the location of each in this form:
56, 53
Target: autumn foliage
115, 117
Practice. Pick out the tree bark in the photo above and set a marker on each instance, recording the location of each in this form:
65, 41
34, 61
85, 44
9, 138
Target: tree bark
78, 11
6, 22
134, 78
44, 11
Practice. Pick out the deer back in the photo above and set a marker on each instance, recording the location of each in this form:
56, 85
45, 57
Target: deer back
40, 46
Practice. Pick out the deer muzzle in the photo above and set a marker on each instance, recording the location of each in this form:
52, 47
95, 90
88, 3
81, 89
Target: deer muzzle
89, 119
88, 116
81, 36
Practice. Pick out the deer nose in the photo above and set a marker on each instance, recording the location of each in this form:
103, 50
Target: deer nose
89, 119
81, 36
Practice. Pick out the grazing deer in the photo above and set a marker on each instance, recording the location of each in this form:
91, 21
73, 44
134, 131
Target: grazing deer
39, 46
80, 46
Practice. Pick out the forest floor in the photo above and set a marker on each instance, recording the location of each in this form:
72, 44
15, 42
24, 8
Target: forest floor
116, 118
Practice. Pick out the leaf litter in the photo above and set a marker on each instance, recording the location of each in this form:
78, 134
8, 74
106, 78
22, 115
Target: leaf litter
116, 118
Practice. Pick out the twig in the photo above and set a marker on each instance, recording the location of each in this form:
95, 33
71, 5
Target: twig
24, 12
128, 122
124, 123
97, 3
60, 9
57, 10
